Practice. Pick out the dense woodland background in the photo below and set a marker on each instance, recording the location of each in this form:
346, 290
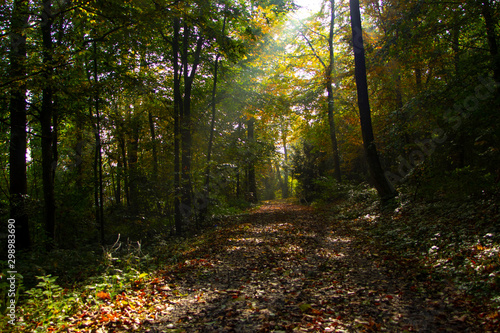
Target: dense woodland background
152, 119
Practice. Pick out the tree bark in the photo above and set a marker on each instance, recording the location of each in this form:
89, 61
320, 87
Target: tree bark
285, 192
133, 149
331, 97
18, 138
98, 172
385, 190
46, 115
189, 72
123, 152
118, 192
212, 128
153, 142
492, 38
252, 182
177, 113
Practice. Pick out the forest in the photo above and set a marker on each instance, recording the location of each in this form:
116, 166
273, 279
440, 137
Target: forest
249, 166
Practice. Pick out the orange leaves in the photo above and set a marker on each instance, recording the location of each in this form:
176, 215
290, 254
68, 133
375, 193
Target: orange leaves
105, 317
103, 296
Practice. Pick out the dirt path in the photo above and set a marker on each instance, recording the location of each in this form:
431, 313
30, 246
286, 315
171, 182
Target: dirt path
286, 267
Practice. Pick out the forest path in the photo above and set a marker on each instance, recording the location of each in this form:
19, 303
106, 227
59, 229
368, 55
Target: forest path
285, 267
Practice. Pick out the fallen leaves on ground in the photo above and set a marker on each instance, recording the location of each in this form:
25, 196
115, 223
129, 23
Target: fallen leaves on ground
286, 268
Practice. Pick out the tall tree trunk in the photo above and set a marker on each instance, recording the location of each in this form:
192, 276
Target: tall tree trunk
281, 184
331, 97
212, 128
154, 149
98, 173
492, 38
177, 142
252, 182
185, 129
238, 169
212, 122
189, 72
17, 108
123, 152
133, 149
46, 114
285, 192
118, 193
384, 188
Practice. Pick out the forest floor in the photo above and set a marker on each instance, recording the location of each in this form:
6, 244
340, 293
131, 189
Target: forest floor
284, 267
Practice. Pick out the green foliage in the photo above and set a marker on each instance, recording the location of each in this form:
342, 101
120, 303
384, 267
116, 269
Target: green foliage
455, 241
312, 169
48, 305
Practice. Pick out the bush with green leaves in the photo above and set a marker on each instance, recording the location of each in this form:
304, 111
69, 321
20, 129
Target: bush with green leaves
47, 305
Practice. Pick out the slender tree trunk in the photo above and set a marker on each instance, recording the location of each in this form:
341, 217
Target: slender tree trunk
492, 38
212, 122
55, 137
206, 191
123, 151
177, 113
238, 183
238, 170
118, 193
79, 160
285, 192
185, 128
133, 149
46, 115
252, 182
281, 184
212, 129
331, 97
17, 108
98, 172
384, 188
95, 168
154, 149
189, 72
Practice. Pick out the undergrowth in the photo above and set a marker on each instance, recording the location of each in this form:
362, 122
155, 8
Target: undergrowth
56, 285
457, 241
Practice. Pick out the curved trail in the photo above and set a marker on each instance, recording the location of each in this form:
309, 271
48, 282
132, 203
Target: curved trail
289, 268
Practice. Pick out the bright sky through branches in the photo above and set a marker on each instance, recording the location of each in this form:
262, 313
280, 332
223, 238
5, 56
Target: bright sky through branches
308, 7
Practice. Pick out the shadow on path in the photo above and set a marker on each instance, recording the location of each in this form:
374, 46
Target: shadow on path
286, 267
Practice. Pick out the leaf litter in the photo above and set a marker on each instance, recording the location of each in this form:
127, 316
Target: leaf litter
287, 268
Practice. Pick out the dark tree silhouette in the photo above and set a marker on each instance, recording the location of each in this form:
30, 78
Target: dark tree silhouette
384, 188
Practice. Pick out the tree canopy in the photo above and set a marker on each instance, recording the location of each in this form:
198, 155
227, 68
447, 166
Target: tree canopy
169, 111
153, 119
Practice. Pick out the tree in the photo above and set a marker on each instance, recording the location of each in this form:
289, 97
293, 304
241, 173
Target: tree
329, 70
492, 37
331, 98
17, 108
384, 188
46, 123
